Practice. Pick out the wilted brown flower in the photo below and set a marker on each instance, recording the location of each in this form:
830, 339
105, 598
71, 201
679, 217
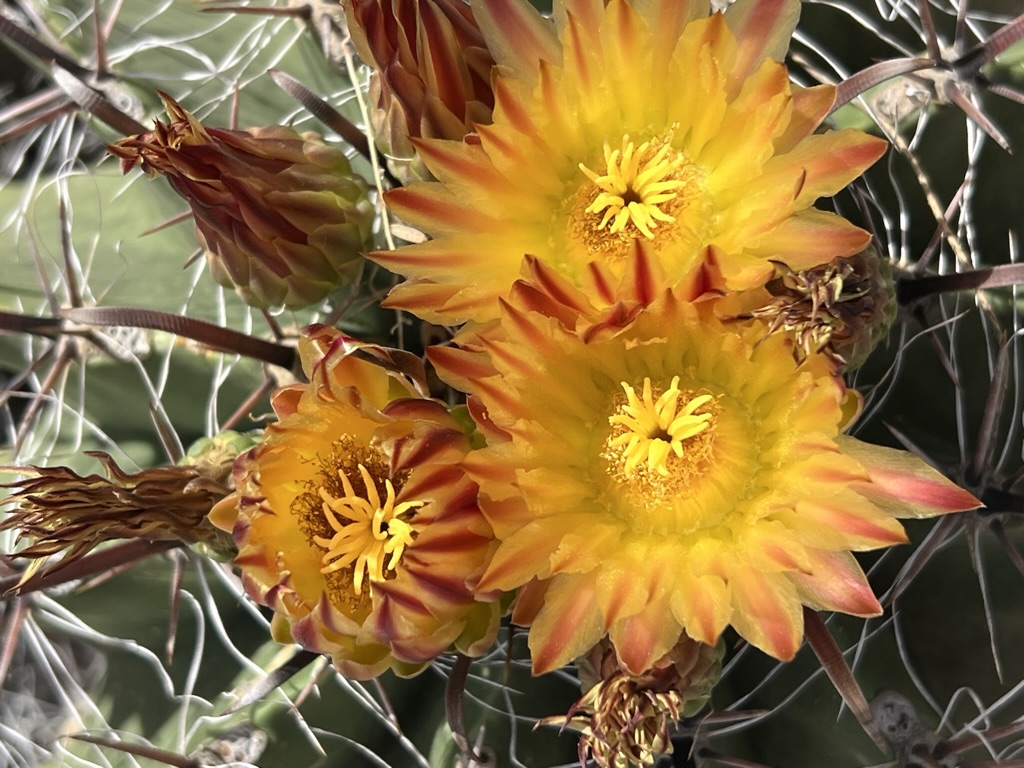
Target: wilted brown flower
432, 74
281, 216
63, 511
842, 309
627, 720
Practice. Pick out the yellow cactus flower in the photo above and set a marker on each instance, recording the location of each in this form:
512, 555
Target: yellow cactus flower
355, 521
670, 473
622, 131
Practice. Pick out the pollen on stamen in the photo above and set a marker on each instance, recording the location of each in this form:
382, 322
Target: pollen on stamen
369, 535
636, 184
660, 441
374, 540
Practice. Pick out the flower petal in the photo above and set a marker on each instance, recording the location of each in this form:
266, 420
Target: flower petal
567, 626
904, 485
703, 606
810, 107
767, 612
765, 28
811, 237
517, 35
842, 521
643, 638
836, 583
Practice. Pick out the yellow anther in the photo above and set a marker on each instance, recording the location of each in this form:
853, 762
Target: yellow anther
651, 430
634, 185
366, 531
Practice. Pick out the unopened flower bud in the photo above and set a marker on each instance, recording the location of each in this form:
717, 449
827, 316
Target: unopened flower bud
432, 74
281, 216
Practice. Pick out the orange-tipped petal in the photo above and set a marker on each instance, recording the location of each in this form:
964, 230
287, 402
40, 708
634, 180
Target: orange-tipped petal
812, 237
568, 625
810, 107
517, 561
435, 208
667, 22
847, 521
643, 638
836, 582
765, 27
904, 485
517, 35
825, 163
703, 606
767, 612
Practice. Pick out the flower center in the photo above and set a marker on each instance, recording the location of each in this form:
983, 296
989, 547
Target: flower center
660, 441
369, 536
636, 183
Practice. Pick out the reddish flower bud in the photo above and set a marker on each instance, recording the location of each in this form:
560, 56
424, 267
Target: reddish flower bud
432, 73
280, 214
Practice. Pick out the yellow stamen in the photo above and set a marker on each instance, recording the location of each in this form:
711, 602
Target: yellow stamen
652, 429
634, 185
366, 532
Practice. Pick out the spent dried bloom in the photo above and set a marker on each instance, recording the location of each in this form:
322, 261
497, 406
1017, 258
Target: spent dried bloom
355, 520
842, 309
281, 216
627, 719
431, 74
622, 129
666, 473
62, 511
